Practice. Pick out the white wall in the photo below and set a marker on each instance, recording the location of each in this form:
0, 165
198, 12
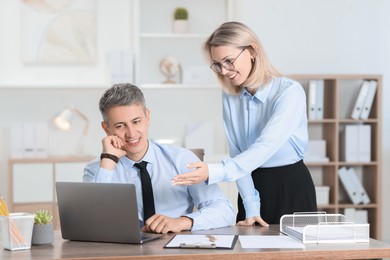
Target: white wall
36, 93
301, 36
114, 30
334, 36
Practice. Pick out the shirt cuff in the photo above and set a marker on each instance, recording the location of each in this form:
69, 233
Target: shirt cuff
197, 223
252, 205
103, 175
216, 173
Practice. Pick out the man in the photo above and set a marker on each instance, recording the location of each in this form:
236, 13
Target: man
126, 121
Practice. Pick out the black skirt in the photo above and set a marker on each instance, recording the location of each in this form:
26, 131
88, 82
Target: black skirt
283, 190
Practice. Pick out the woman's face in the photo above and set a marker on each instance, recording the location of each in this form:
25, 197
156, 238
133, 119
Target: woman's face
240, 58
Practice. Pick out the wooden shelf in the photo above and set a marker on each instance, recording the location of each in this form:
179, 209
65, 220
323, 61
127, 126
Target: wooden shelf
32, 181
340, 92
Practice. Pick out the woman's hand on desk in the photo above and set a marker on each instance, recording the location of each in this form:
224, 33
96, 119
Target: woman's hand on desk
252, 221
162, 224
200, 174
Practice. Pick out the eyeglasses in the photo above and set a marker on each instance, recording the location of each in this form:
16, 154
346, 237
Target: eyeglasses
226, 64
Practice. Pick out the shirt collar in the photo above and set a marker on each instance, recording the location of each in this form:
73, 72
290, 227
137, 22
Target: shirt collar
261, 93
148, 157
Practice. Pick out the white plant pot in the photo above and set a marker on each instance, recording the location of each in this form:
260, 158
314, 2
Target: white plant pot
180, 26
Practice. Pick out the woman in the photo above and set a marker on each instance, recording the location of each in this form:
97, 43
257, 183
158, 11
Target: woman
266, 126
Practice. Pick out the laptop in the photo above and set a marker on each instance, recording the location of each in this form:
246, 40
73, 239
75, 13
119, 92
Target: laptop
100, 212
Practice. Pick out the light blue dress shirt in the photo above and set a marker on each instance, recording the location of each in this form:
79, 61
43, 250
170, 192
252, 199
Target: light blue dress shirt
268, 129
164, 163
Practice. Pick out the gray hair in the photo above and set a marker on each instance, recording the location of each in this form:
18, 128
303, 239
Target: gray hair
239, 35
123, 94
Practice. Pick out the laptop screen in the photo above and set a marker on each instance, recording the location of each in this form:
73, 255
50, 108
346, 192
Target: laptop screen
103, 212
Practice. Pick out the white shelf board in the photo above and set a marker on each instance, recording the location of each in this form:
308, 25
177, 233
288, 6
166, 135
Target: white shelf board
55, 86
179, 86
174, 35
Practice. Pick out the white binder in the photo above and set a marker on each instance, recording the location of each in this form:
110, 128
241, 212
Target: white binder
357, 109
17, 141
350, 143
366, 108
121, 67
41, 140
363, 196
29, 140
312, 100
319, 99
364, 143
349, 185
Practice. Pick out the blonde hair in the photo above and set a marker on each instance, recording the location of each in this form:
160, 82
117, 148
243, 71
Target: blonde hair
236, 34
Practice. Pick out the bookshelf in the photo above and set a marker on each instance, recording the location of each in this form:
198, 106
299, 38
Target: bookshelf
154, 39
31, 182
340, 94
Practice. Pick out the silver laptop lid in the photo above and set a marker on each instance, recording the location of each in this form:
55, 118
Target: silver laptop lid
101, 212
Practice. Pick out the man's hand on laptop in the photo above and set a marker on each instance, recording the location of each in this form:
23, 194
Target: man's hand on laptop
163, 224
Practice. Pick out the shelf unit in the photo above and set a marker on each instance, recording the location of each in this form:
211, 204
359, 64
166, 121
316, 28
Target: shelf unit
340, 93
31, 181
154, 39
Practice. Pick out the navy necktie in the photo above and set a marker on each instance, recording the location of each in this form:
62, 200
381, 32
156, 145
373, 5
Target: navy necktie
147, 190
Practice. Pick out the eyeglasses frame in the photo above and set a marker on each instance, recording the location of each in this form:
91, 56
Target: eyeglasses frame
221, 65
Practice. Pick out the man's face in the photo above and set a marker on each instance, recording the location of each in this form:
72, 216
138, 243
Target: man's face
131, 124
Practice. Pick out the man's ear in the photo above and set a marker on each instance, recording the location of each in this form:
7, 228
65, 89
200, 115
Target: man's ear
106, 128
147, 112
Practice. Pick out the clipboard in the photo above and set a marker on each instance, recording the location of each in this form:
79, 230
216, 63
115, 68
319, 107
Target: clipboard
206, 241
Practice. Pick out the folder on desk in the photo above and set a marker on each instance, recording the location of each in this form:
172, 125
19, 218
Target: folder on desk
206, 241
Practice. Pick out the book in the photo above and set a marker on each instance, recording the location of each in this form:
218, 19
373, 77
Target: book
367, 104
357, 109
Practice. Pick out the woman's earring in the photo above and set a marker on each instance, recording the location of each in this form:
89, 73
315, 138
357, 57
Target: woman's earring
253, 60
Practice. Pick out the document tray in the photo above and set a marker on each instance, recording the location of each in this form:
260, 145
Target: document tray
323, 228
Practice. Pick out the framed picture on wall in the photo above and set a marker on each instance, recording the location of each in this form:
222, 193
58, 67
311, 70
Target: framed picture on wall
58, 31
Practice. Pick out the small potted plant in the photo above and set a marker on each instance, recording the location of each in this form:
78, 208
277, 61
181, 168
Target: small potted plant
43, 230
180, 22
